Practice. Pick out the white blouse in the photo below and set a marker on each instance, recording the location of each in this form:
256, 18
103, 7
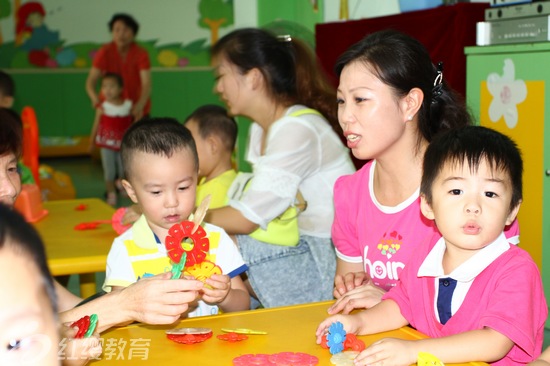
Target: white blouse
302, 152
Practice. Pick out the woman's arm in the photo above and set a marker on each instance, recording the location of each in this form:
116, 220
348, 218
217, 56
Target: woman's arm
137, 109
154, 300
91, 82
231, 220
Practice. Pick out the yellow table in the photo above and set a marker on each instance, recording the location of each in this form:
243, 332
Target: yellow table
290, 329
71, 251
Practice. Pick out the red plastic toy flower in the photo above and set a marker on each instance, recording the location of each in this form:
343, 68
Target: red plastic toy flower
189, 338
175, 244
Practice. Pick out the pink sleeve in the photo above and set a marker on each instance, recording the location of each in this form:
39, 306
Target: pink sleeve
344, 233
518, 308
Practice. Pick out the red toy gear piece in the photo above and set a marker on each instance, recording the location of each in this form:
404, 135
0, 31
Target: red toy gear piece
82, 324
232, 337
354, 343
253, 360
294, 359
177, 233
189, 338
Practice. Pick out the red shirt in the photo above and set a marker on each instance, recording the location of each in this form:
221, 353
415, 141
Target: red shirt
108, 59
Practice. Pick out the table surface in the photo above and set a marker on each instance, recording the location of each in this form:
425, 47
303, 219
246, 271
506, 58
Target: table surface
290, 329
71, 251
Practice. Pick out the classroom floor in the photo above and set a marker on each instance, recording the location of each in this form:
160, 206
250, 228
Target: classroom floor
87, 176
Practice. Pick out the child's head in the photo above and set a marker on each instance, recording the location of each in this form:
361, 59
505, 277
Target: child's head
28, 310
7, 90
10, 150
215, 134
472, 180
161, 168
111, 86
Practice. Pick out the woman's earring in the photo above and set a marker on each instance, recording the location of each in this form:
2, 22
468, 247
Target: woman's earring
410, 118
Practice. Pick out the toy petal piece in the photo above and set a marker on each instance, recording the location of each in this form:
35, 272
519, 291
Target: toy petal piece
202, 271
427, 359
175, 243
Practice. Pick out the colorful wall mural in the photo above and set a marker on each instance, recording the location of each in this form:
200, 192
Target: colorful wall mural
67, 33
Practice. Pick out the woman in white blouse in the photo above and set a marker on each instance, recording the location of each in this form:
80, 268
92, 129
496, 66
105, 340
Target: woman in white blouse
294, 152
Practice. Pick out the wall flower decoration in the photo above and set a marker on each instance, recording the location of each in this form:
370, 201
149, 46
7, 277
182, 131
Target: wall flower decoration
507, 93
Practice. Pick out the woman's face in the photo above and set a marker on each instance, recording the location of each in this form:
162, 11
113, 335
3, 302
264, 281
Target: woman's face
371, 116
28, 328
232, 86
10, 180
123, 36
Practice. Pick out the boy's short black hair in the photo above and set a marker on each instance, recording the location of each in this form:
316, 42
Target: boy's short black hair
213, 119
116, 77
19, 236
11, 132
7, 85
127, 19
471, 145
159, 136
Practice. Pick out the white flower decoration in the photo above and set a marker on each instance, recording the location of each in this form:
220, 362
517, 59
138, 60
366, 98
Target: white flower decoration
507, 93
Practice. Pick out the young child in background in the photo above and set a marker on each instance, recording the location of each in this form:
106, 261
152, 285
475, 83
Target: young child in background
113, 117
215, 134
479, 297
161, 169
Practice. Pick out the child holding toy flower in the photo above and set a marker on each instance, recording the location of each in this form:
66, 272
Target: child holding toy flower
161, 169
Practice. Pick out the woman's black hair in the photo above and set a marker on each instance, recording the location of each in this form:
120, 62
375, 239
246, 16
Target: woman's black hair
127, 19
403, 63
289, 67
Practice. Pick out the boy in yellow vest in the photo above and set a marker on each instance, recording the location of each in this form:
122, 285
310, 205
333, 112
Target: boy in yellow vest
161, 168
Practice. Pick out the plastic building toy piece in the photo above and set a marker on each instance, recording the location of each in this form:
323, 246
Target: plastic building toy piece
427, 359
177, 268
354, 343
82, 324
259, 359
81, 207
324, 342
175, 243
202, 271
336, 337
291, 358
243, 331
189, 335
189, 338
92, 326
344, 358
232, 337
116, 221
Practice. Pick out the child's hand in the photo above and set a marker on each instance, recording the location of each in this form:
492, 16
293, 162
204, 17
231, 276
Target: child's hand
388, 352
351, 325
220, 287
78, 351
347, 282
